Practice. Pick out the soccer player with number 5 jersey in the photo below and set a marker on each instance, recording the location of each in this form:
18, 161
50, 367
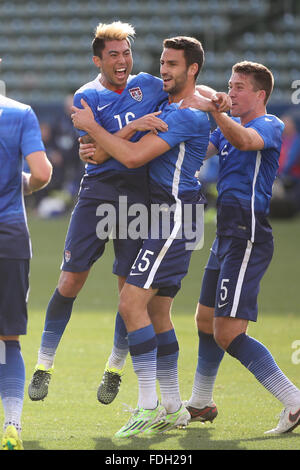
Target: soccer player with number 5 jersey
248, 144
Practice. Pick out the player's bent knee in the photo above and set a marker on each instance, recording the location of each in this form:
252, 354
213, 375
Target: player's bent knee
70, 284
124, 308
221, 340
227, 329
204, 319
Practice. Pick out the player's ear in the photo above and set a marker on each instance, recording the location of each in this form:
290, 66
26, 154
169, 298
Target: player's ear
262, 95
193, 69
97, 61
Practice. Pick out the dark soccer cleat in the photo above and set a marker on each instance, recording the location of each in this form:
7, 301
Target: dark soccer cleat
38, 387
208, 413
109, 386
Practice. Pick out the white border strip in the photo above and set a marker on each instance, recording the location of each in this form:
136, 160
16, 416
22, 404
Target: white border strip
240, 279
177, 217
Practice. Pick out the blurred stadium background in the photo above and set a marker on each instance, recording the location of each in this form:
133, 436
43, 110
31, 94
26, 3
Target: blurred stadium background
46, 54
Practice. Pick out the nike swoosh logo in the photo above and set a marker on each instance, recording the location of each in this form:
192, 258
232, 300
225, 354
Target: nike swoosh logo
267, 119
99, 108
222, 305
293, 417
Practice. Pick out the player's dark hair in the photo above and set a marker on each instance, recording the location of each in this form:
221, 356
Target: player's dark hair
191, 47
262, 77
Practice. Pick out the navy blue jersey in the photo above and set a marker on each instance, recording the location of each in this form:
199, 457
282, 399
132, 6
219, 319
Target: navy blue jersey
188, 135
19, 136
245, 181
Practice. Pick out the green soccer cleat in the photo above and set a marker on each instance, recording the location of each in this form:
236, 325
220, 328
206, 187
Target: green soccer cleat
11, 439
179, 419
38, 387
110, 384
140, 420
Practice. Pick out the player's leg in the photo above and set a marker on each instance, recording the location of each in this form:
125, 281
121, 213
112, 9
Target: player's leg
167, 363
12, 381
125, 250
13, 322
120, 349
167, 352
232, 319
143, 350
82, 249
201, 404
58, 315
114, 368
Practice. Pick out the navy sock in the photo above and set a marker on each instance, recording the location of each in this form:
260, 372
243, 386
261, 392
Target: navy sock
120, 348
167, 370
143, 351
259, 361
57, 317
210, 356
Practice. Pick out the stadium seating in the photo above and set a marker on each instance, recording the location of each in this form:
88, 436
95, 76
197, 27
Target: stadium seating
46, 46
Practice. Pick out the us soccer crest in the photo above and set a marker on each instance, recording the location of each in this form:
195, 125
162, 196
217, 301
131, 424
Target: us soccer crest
136, 93
67, 255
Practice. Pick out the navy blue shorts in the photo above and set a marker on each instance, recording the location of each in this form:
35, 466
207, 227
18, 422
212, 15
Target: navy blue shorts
85, 244
232, 276
163, 261
14, 289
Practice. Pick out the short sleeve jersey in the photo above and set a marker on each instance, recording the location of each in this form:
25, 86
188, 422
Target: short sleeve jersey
20, 136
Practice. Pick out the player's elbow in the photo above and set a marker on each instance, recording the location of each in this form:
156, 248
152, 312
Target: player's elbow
132, 159
248, 142
42, 174
242, 146
132, 163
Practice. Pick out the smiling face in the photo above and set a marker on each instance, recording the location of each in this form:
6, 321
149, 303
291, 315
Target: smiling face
115, 64
174, 71
247, 101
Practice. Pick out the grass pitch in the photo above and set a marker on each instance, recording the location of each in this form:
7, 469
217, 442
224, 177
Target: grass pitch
71, 418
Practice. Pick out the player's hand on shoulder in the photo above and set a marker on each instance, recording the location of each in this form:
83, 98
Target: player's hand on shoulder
197, 101
150, 122
82, 117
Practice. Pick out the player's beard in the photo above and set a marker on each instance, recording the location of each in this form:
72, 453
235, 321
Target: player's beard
179, 84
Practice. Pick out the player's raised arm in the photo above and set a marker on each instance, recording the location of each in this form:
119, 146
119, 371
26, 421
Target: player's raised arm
242, 138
